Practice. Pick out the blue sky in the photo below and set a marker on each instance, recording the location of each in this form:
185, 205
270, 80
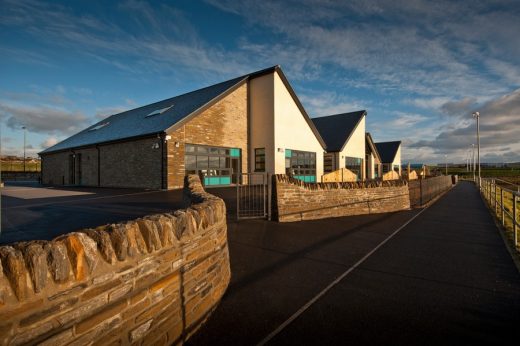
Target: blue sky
418, 67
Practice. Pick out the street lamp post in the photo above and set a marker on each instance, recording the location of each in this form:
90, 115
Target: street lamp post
477, 116
24, 141
473, 160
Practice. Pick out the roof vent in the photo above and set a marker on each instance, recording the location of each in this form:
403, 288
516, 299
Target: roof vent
98, 126
158, 111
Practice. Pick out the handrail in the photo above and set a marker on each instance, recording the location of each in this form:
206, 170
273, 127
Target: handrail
489, 190
504, 188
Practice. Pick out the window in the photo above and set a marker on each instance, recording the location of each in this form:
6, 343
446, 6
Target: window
214, 163
376, 170
328, 162
98, 126
385, 168
260, 160
301, 165
354, 164
158, 111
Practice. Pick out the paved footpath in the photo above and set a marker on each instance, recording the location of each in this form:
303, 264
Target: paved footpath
444, 278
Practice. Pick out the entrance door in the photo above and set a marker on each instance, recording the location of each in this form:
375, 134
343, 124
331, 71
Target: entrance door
79, 180
235, 170
72, 169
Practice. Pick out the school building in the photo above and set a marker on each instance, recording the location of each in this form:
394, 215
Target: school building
253, 123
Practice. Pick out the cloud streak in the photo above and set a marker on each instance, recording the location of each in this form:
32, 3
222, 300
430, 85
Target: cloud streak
499, 129
418, 67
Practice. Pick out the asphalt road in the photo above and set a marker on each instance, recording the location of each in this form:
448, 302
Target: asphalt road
445, 278
30, 211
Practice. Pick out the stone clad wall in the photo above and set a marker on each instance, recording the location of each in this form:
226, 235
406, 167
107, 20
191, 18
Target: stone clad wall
295, 200
149, 281
134, 163
224, 124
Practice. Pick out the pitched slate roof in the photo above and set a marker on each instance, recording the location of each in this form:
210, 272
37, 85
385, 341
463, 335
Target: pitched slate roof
139, 122
388, 150
337, 129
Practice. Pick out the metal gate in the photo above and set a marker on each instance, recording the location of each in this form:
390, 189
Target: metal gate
253, 196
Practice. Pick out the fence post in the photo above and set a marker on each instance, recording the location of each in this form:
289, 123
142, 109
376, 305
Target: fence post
420, 192
269, 195
264, 182
502, 205
515, 236
238, 197
495, 195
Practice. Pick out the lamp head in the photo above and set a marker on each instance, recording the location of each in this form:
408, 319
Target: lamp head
476, 114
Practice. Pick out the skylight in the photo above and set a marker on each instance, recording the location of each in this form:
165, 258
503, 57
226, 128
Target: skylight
98, 126
158, 111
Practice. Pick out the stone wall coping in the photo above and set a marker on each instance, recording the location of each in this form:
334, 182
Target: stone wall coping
283, 178
26, 268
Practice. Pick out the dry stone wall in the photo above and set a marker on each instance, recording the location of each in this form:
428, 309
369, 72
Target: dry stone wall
295, 200
149, 281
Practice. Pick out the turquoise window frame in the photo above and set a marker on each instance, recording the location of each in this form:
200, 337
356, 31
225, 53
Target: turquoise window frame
306, 178
288, 153
214, 181
234, 152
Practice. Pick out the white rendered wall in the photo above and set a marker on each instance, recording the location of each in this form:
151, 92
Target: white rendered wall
261, 124
291, 130
355, 146
397, 159
370, 164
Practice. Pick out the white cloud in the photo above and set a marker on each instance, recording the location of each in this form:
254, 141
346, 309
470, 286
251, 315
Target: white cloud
43, 119
406, 120
327, 103
428, 103
499, 128
49, 142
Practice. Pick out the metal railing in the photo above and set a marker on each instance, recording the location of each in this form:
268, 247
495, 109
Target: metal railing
504, 202
252, 195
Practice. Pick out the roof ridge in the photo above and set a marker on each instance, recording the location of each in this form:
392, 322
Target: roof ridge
346, 113
248, 75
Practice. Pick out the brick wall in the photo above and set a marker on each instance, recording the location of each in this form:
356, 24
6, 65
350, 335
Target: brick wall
223, 124
55, 168
297, 201
132, 164
149, 281
135, 164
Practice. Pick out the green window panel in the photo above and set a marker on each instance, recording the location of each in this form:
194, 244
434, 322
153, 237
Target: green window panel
288, 153
212, 181
306, 178
234, 152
